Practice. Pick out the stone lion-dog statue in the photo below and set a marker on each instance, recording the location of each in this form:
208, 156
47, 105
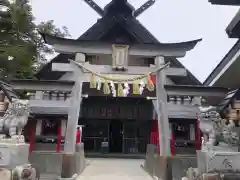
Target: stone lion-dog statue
24, 172
14, 119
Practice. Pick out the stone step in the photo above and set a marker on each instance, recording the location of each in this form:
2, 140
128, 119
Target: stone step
46, 176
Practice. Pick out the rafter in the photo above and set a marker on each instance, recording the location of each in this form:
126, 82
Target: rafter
95, 7
143, 8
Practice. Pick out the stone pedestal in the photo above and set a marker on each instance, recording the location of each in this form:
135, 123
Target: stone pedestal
73, 163
157, 166
12, 155
60, 164
210, 161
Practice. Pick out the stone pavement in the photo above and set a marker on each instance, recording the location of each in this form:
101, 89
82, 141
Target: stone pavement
114, 169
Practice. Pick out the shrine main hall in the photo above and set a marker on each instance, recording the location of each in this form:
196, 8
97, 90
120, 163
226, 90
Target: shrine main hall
111, 81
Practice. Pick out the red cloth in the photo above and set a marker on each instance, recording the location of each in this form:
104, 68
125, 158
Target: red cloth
78, 136
153, 78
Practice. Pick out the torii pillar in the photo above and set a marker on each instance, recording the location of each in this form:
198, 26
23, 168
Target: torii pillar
69, 153
161, 108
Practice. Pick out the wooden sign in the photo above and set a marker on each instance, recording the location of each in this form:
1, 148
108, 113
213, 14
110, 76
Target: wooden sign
117, 111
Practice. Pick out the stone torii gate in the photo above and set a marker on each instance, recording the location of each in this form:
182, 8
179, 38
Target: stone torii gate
159, 51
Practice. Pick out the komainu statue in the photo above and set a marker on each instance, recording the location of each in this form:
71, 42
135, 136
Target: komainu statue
15, 118
23, 172
215, 129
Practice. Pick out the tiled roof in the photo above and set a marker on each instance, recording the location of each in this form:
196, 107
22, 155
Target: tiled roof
228, 99
8, 91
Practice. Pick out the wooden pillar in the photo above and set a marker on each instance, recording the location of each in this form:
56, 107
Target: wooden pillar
198, 136
59, 136
162, 112
173, 147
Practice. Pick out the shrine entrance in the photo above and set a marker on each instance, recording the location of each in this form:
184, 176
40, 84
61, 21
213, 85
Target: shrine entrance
116, 125
116, 136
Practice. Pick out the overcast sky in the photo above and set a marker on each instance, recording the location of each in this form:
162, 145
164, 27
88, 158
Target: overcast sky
167, 20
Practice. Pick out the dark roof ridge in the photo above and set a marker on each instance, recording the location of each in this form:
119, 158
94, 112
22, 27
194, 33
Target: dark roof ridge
47, 38
130, 24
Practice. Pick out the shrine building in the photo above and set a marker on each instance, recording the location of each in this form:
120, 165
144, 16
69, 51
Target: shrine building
123, 114
228, 68
225, 2
226, 74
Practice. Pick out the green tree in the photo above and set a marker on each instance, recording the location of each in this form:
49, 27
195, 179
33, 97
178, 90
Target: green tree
22, 49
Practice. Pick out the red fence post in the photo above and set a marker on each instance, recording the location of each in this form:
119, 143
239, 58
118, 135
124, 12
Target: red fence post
78, 136
32, 132
198, 136
59, 137
173, 149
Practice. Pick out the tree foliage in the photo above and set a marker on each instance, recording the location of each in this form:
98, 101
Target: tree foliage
22, 49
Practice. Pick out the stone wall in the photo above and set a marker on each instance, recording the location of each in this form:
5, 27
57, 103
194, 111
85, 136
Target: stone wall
46, 147
53, 163
180, 164
167, 168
